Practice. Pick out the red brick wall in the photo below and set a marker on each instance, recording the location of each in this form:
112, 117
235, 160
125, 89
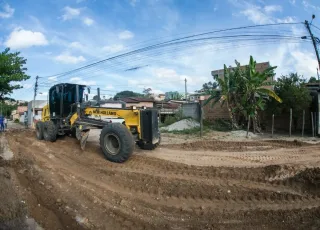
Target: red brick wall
215, 112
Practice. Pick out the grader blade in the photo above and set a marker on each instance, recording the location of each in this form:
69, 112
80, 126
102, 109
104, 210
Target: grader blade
84, 138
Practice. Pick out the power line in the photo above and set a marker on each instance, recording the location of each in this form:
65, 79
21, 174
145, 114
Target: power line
242, 38
167, 42
315, 26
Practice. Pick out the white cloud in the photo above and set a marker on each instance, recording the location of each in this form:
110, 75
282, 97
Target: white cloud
109, 86
304, 62
27, 86
20, 38
308, 5
113, 48
80, 81
124, 35
7, 11
52, 79
76, 45
256, 15
88, 21
287, 20
272, 8
67, 58
259, 15
70, 13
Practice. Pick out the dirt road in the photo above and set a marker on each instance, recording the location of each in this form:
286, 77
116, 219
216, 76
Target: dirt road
202, 185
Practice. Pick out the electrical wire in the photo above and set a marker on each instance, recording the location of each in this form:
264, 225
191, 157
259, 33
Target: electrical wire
92, 74
163, 43
272, 37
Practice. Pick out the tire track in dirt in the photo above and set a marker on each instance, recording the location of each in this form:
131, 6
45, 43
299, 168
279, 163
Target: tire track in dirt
150, 193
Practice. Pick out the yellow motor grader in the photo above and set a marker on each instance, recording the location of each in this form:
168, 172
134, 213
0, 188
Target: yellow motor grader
68, 113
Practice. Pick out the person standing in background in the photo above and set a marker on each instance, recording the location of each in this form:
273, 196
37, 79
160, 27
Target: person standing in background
5, 122
1, 123
26, 120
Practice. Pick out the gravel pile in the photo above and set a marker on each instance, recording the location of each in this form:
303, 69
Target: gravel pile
182, 125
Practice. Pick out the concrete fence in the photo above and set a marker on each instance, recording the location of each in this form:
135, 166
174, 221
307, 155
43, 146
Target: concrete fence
191, 110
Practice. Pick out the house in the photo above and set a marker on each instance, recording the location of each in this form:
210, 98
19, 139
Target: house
160, 97
166, 109
195, 97
38, 106
16, 114
260, 67
139, 102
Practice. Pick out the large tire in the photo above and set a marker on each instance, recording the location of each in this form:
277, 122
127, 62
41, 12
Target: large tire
149, 146
116, 142
50, 131
39, 130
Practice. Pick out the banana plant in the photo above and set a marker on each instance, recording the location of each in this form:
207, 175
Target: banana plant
255, 93
226, 93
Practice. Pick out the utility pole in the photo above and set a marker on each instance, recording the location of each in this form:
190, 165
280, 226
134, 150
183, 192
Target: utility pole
185, 88
314, 39
34, 100
318, 77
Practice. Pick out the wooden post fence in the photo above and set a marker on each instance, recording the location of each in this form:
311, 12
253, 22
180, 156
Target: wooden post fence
290, 122
272, 127
303, 120
312, 124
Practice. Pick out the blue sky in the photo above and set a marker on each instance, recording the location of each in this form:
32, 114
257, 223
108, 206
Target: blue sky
61, 35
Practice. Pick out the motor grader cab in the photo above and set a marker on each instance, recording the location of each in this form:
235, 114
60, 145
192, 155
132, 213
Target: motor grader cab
68, 112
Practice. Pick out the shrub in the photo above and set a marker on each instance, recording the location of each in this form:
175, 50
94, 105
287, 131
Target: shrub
170, 120
16, 120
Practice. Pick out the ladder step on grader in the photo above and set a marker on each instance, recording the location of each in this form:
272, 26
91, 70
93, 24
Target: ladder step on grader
68, 113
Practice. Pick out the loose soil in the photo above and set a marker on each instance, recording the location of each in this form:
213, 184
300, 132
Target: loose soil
202, 185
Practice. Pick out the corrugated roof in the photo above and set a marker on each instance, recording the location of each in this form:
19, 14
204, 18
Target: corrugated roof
136, 99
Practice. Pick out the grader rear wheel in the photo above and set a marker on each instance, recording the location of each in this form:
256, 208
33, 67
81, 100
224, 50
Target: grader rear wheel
116, 142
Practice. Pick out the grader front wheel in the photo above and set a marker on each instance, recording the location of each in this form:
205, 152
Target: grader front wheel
116, 142
39, 130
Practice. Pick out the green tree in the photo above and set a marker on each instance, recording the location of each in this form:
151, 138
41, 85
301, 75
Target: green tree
6, 109
243, 92
291, 88
313, 80
147, 92
12, 71
207, 87
253, 92
228, 92
173, 95
127, 93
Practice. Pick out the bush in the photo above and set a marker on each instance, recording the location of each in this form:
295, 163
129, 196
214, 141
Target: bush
170, 120
219, 125
16, 120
